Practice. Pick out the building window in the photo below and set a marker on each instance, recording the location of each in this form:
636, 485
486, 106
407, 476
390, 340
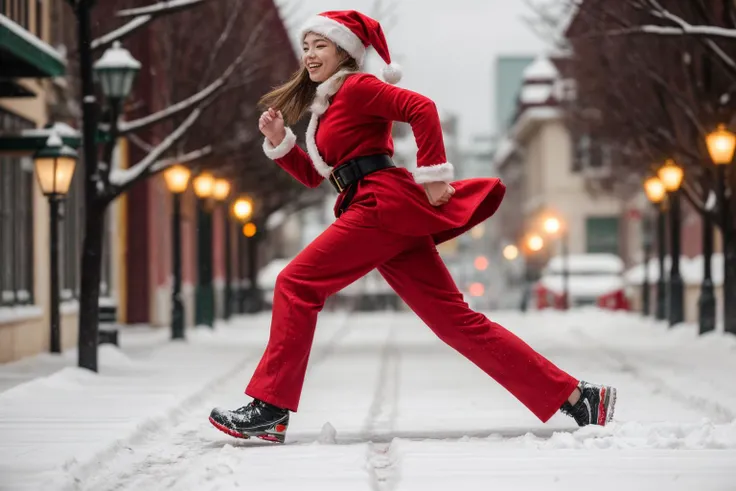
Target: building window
590, 153
602, 235
39, 19
16, 220
23, 18
17, 11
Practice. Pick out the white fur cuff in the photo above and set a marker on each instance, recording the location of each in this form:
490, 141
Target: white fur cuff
282, 149
434, 173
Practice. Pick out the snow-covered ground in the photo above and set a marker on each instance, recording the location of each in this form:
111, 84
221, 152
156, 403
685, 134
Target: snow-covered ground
386, 406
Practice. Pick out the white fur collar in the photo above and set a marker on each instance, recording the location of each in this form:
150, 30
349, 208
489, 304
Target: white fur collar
321, 103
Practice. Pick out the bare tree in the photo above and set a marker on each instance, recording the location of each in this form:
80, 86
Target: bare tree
654, 78
206, 75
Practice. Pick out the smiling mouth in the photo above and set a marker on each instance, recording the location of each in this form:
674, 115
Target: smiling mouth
313, 66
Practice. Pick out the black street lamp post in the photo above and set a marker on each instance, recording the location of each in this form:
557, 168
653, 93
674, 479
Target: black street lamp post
242, 210
203, 187
554, 226
55, 165
221, 191
721, 144
177, 179
116, 71
707, 300
671, 176
655, 191
647, 242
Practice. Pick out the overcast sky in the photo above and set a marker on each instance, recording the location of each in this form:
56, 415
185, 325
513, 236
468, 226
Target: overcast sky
447, 48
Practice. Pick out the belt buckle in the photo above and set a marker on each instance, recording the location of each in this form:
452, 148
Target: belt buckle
335, 180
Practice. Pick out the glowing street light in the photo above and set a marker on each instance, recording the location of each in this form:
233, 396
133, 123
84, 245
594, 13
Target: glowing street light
671, 175
535, 243
221, 189
655, 190
721, 144
204, 185
510, 252
243, 209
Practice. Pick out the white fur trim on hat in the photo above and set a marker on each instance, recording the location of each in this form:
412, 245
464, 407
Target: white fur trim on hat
392, 73
337, 33
282, 149
434, 173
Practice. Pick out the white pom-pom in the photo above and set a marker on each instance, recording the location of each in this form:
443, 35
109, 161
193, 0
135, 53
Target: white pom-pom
392, 73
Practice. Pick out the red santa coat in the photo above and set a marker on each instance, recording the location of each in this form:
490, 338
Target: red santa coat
352, 116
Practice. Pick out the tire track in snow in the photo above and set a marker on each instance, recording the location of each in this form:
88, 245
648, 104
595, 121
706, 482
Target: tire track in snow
619, 361
383, 469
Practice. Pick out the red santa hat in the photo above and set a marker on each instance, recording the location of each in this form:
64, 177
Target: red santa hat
354, 32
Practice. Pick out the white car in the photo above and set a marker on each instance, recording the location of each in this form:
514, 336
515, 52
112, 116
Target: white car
593, 279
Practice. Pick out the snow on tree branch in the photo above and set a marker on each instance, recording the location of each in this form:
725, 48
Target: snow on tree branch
141, 17
165, 7
180, 159
139, 124
121, 32
707, 31
123, 178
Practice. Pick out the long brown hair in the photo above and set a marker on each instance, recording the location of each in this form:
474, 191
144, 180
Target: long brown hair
295, 96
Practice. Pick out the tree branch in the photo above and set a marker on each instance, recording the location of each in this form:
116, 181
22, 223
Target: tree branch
123, 179
165, 7
173, 110
121, 32
180, 159
141, 17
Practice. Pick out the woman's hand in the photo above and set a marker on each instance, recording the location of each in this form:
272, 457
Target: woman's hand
271, 124
439, 192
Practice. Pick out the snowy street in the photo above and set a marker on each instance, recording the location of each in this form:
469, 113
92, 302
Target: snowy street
386, 406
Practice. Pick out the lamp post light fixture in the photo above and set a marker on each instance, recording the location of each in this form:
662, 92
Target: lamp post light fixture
535, 243
553, 226
221, 191
671, 176
177, 179
721, 144
54, 165
656, 193
204, 185
116, 71
243, 209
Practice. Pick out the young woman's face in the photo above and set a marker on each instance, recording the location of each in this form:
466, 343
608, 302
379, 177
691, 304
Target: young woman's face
320, 57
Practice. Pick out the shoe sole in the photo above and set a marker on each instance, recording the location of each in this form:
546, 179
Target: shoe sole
269, 436
608, 404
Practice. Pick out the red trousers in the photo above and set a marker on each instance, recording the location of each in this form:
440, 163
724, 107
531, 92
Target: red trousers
350, 248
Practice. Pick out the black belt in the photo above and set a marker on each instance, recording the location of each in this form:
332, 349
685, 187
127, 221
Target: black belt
356, 169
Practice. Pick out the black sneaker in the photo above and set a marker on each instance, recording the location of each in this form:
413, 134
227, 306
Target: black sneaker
258, 419
595, 406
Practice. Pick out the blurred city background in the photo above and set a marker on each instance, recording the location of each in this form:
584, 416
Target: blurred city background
142, 230
186, 221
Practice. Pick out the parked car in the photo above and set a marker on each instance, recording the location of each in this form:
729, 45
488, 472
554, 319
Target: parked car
594, 280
